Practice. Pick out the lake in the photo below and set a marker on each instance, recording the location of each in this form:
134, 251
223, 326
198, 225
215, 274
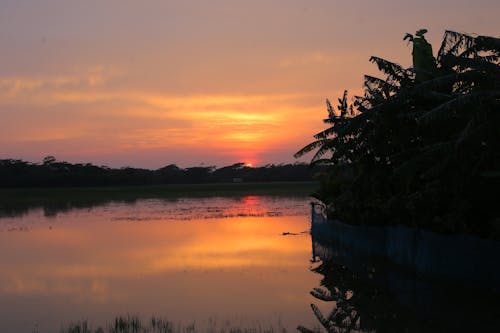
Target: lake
239, 261
235, 262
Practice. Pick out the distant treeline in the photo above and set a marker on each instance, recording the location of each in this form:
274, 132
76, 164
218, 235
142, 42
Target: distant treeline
50, 173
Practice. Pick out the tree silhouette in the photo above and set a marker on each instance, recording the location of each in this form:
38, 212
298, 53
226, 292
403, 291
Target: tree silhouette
47, 160
422, 144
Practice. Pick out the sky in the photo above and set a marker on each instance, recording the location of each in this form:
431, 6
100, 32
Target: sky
151, 83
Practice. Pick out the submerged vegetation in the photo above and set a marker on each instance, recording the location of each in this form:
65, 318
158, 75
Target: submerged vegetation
422, 146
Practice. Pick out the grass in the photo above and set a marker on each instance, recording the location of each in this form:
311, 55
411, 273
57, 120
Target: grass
159, 191
134, 324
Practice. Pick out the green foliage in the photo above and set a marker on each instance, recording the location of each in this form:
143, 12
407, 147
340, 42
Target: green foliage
422, 146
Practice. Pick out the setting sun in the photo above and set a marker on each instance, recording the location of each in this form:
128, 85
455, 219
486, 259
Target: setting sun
248, 165
191, 82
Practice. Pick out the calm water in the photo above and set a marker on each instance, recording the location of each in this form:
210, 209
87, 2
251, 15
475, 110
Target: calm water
218, 263
222, 260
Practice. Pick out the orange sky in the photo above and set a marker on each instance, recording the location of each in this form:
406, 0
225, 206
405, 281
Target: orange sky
150, 83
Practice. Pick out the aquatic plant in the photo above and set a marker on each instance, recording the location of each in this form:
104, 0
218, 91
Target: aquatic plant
134, 324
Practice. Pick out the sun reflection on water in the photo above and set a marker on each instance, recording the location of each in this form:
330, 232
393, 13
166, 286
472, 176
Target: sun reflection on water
136, 259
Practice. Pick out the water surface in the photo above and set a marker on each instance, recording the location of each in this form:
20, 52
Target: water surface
190, 260
213, 263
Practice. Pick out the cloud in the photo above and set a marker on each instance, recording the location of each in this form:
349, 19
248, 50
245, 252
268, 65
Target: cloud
22, 86
86, 111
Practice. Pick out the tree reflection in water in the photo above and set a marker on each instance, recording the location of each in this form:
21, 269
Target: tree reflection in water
357, 304
362, 294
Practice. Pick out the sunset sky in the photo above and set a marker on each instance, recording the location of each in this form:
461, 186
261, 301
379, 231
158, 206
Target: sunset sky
150, 83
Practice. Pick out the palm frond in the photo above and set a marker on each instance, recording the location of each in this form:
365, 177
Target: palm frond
333, 314
323, 295
331, 111
485, 43
303, 329
324, 321
325, 148
396, 74
478, 63
375, 83
343, 105
362, 104
454, 43
322, 162
446, 82
326, 133
459, 104
309, 147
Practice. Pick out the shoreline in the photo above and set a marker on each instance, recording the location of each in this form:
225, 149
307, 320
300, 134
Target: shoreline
20, 195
